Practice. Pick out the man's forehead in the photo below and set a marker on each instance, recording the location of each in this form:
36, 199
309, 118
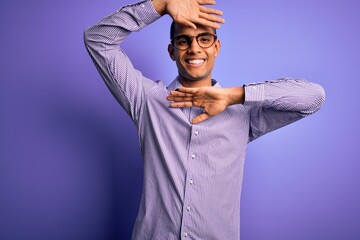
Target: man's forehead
179, 28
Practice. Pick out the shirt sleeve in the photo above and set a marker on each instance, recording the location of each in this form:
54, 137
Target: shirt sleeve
103, 41
274, 104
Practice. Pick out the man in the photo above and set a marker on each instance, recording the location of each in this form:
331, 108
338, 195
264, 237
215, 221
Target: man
194, 150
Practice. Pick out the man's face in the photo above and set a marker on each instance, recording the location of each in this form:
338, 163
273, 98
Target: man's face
194, 63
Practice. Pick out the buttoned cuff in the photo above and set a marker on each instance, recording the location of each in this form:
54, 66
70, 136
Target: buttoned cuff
146, 12
254, 94
143, 10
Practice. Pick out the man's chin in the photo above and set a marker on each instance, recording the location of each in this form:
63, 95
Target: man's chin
193, 78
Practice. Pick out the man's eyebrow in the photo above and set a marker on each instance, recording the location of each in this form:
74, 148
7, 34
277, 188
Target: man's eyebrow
181, 34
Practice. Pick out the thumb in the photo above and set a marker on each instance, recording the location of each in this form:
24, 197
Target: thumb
200, 118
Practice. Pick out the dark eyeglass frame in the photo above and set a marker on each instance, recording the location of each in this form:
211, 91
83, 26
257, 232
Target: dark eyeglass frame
189, 40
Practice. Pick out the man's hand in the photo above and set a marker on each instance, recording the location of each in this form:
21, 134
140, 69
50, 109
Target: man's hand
212, 100
190, 12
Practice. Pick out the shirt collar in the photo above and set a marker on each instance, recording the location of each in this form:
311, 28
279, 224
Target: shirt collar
177, 84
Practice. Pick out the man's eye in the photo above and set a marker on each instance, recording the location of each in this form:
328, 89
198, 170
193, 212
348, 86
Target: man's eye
181, 42
205, 39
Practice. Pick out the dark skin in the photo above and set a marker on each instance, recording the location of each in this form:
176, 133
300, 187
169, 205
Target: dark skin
192, 18
212, 100
194, 75
190, 12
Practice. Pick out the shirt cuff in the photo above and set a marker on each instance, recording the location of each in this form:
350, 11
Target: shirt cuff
254, 94
146, 11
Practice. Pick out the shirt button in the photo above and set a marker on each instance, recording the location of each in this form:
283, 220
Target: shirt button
185, 234
196, 132
191, 181
193, 156
188, 208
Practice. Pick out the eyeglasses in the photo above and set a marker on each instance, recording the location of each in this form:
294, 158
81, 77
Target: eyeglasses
183, 42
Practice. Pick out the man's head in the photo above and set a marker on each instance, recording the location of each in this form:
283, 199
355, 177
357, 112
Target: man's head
194, 51
173, 30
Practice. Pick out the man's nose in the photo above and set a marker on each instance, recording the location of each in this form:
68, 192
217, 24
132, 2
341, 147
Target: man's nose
194, 46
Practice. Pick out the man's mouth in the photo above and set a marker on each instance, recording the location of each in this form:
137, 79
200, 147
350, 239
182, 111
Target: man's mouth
195, 62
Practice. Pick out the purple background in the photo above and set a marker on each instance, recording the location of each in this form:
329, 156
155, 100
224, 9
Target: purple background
70, 166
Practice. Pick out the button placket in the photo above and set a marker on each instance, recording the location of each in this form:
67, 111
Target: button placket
187, 204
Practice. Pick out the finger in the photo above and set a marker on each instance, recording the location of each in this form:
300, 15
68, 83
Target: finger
179, 99
211, 18
206, 2
187, 90
185, 22
202, 117
210, 10
206, 23
181, 104
180, 94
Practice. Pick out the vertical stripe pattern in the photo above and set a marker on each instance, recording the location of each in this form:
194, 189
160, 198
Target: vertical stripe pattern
192, 173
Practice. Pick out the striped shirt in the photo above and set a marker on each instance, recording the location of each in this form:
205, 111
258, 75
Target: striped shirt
192, 173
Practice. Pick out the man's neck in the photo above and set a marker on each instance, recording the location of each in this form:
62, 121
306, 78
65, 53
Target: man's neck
195, 84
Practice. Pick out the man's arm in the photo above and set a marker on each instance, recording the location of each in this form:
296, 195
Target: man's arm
103, 39
273, 103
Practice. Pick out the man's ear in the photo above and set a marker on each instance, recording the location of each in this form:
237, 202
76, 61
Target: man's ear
217, 47
171, 51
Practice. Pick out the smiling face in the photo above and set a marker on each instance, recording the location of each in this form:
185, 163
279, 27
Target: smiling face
196, 63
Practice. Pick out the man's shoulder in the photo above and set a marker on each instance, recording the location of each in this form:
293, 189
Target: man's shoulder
155, 87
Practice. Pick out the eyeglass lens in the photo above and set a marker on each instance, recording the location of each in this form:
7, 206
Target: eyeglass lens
205, 40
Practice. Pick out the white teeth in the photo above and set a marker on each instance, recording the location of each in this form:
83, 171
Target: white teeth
196, 61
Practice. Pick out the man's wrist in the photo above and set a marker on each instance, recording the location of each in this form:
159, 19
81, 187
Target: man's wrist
159, 6
235, 95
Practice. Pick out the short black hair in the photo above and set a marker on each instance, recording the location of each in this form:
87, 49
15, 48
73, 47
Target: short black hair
172, 30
